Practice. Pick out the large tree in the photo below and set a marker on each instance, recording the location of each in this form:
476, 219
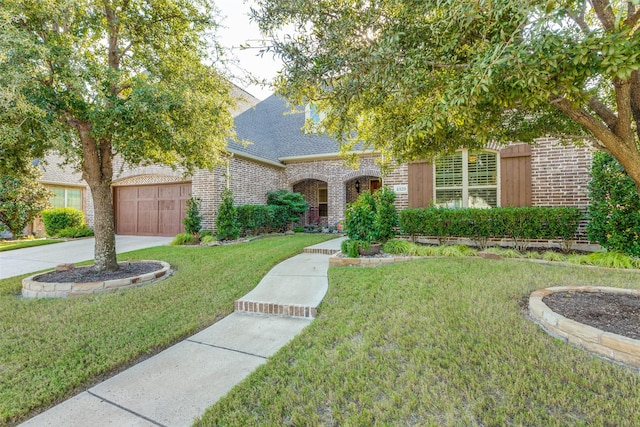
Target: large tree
418, 77
95, 79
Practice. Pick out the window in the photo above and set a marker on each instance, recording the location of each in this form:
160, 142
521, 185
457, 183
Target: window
323, 202
313, 117
66, 197
467, 179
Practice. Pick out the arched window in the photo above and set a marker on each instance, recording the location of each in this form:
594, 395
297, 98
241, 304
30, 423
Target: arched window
467, 179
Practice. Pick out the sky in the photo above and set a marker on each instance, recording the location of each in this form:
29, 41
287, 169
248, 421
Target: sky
236, 30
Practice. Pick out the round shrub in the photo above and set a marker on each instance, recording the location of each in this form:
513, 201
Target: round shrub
60, 218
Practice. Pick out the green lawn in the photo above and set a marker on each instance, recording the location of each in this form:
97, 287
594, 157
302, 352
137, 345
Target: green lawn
8, 245
51, 349
436, 342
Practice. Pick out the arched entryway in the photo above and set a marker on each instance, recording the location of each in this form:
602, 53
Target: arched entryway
316, 194
357, 185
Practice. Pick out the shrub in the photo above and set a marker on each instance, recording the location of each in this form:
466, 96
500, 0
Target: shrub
204, 233
227, 219
350, 248
278, 217
207, 239
21, 200
253, 219
614, 209
293, 203
75, 232
360, 217
193, 220
298, 229
183, 239
386, 216
518, 223
372, 217
60, 218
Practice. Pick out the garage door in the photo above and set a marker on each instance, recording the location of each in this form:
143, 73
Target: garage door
151, 210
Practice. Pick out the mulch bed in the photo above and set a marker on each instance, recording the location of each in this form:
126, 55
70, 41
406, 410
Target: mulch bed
615, 313
88, 274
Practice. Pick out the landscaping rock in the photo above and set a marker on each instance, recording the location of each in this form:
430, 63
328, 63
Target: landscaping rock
65, 267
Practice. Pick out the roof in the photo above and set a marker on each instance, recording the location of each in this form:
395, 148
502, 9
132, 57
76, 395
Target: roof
274, 132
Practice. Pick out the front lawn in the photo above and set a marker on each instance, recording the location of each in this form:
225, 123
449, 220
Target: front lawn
9, 245
52, 349
436, 342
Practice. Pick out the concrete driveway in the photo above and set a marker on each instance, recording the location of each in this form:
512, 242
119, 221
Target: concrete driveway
28, 260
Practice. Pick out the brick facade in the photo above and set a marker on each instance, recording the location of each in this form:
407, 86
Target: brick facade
560, 174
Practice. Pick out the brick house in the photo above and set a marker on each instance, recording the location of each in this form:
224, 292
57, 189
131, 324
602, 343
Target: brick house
279, 154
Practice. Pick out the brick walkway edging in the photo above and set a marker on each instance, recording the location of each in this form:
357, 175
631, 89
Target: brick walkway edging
608, 345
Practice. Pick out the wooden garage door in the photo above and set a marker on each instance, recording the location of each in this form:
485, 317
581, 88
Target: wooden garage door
151, 210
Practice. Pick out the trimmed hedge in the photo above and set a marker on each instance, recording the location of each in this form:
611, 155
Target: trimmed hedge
257, 219
517, 223
58, 219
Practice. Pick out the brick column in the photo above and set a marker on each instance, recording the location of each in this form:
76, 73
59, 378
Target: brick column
337, 201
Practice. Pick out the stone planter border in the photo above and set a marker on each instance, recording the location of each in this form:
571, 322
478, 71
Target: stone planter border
336, 260
33, 289
605, 344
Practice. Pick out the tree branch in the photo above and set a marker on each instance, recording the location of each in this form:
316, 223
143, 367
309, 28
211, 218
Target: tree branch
605, 13
604, 112
633, 17
623, 103
579, 115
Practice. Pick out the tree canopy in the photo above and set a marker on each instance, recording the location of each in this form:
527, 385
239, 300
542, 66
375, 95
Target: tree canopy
97, 79
418, 78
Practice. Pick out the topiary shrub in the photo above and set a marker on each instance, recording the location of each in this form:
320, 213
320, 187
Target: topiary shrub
614, 209
60, 218
227, 227
293, 204
193, 220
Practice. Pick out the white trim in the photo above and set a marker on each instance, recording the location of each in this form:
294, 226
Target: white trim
325, 156
255, 158
465, 176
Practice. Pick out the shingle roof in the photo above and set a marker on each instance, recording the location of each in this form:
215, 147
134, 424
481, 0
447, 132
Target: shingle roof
274, 132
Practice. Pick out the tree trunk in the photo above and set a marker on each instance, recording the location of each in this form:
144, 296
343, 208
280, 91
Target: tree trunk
105, 237
97, 170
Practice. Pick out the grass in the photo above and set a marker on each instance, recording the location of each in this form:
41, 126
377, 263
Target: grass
442, 342
8, 245
51, 349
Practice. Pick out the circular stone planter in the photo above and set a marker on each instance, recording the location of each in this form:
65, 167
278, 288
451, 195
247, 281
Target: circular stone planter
34, 289
606, 344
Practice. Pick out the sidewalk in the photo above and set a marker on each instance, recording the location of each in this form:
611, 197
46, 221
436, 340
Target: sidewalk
177, 385
29, 260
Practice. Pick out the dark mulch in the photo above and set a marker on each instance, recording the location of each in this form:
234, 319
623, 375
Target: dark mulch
88, 274
615, 313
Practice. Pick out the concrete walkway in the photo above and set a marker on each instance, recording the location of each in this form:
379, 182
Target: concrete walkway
29, 260
177, 385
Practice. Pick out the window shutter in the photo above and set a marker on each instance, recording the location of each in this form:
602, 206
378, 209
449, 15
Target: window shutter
420, 184
515, 175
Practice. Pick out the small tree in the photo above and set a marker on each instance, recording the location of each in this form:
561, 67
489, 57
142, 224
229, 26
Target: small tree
227, 220
193, 221
21, 200
614, 210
